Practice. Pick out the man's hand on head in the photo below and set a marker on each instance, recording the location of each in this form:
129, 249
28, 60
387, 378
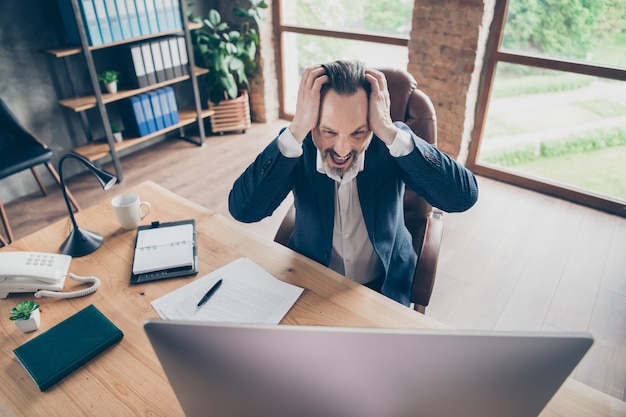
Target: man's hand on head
308, 102
379, 107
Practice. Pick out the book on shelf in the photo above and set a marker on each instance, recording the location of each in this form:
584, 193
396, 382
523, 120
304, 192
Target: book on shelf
159, 69
133, 18
165, 106
148, 63
152, 16
103, 21
175, 55
178, 22
147, 112
109, 21
129, 60
168, 66
161, 18
157, 111
114, 21
88, 15
182, 50
142, 14
131, 112
122, 14
171, 98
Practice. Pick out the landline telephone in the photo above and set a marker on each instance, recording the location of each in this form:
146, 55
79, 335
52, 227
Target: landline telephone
41, 273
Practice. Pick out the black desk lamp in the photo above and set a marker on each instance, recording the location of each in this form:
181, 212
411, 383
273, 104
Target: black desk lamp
82, 242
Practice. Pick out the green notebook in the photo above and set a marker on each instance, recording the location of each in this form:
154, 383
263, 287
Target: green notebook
67, 346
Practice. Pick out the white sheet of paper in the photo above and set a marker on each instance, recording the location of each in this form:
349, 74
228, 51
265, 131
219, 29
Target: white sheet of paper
248, 294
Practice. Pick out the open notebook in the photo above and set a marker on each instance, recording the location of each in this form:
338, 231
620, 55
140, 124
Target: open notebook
165, 250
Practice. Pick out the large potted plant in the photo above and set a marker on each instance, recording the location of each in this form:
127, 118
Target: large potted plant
229, 52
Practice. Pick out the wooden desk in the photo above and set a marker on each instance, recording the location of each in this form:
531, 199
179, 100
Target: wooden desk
128, 379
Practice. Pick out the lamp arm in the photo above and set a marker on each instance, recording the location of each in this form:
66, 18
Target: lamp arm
64, 189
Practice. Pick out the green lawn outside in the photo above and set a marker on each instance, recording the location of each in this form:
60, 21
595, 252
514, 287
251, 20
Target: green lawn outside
600, 171
608, 166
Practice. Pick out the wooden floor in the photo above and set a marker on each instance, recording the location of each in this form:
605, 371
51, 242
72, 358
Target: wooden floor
518, 260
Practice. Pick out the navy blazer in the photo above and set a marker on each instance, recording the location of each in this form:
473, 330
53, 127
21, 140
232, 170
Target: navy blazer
433, 175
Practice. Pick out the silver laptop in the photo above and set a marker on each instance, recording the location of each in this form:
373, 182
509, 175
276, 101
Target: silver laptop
258, 370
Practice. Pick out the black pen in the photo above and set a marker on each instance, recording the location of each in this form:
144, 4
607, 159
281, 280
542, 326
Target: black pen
209, 293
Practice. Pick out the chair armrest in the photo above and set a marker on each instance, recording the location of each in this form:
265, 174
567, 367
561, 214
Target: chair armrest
286, 227
426, 269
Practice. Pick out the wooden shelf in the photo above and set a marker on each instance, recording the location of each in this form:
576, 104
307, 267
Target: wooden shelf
98, 150
74, 50
79, 104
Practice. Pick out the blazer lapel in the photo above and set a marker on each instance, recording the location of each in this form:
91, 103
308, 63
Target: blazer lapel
367, 191
325, 189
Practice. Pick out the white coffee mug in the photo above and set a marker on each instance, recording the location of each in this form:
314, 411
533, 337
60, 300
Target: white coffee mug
129, 210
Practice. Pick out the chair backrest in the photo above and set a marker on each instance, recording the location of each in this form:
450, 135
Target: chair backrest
11, 130
413, 107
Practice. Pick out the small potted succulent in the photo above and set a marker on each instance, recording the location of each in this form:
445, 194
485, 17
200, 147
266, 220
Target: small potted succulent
26, 316
109, 78
117, 133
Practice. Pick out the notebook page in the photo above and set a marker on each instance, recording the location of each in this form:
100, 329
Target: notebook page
163, 248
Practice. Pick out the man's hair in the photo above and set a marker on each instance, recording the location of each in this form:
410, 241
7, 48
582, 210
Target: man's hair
346, 77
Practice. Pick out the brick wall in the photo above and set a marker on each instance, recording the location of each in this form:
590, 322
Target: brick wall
264, 84
446, 49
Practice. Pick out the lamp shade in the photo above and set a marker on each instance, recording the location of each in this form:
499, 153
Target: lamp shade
81, 242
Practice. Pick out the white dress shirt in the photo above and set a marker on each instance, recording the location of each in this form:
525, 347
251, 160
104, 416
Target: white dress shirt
353, 254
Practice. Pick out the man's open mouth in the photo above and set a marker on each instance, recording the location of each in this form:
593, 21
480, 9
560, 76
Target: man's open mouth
338, 160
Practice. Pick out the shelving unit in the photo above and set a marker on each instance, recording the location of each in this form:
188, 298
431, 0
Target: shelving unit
95, 150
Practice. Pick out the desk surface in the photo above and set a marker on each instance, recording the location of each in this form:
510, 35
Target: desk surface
128, 379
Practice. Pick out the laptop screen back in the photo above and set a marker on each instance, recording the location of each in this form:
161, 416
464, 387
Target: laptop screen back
256, 370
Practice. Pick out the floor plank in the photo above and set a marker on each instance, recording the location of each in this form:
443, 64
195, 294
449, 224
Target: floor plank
518, 260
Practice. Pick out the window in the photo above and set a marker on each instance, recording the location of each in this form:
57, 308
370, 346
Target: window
315, 32
554, 118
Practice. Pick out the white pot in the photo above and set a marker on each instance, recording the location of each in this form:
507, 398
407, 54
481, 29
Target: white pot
111, 87
30, 324
118, 136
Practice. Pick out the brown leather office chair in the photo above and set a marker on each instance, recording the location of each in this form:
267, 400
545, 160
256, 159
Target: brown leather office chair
413, 107
21, 150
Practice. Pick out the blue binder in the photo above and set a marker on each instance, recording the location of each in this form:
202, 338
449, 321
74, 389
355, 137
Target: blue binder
171, 97
161, 16
169, 14
89, 18
114, 20
165, 106
152, 17
122, 13
178, 22
147, 111
142, 14
103, 21
91, 23
133, 18
133, 117
159, 121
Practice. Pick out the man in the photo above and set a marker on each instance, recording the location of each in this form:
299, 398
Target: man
347, 163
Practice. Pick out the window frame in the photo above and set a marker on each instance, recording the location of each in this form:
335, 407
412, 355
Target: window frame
280, 29
494, 54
